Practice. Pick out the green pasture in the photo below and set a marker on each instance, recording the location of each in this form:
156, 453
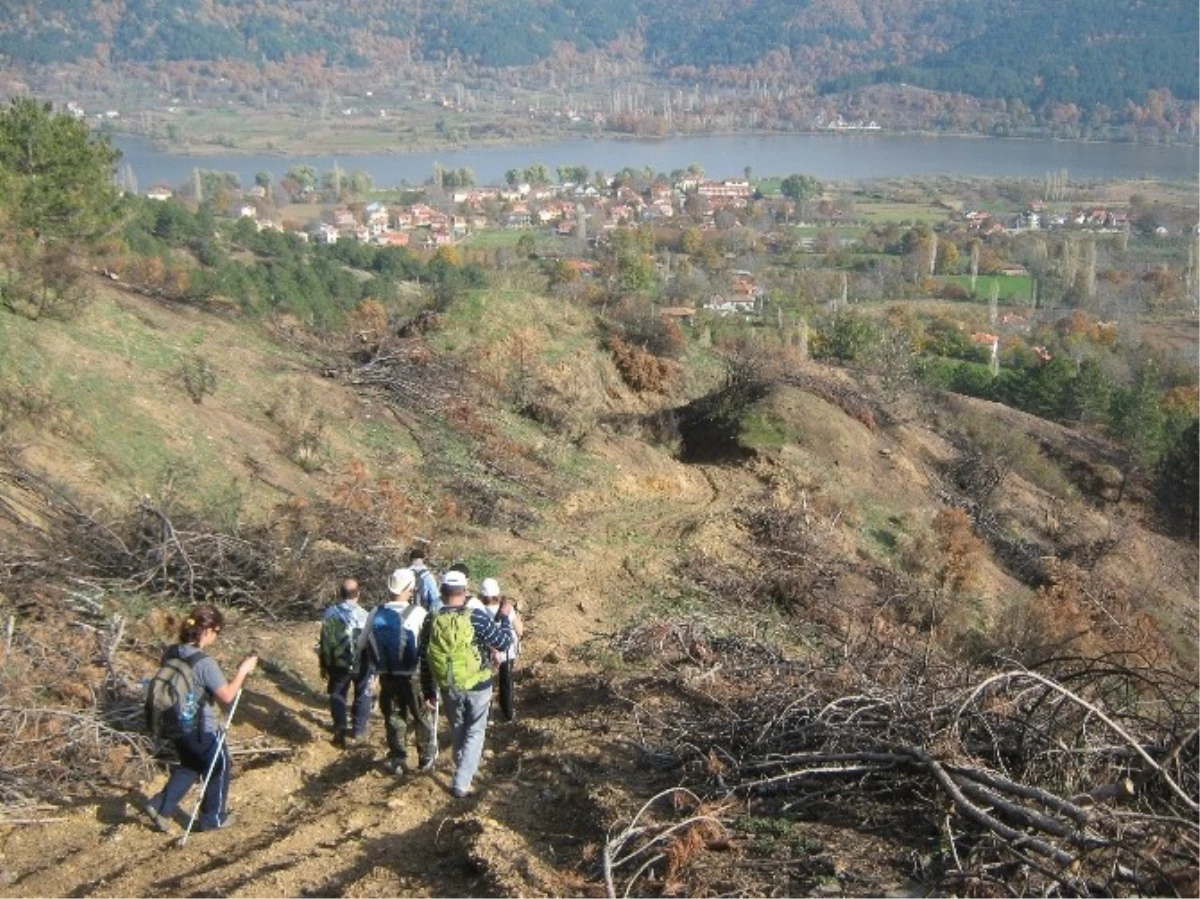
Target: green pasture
495, 239
1012, 289
836, 230
882, 211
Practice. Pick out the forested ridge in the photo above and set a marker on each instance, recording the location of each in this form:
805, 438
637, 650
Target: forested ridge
1097, 56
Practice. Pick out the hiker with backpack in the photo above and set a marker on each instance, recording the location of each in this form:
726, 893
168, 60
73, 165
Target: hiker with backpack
426, 591
342, 665
503, 663
179, 708
392, 637
455, 660
489, 592
473, 601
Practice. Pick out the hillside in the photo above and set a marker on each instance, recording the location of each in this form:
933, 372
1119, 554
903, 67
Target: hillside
1112, 69
812, 588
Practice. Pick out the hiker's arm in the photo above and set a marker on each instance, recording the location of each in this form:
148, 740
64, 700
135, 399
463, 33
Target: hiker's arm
364, 635
496, 634
362, 647
228, 692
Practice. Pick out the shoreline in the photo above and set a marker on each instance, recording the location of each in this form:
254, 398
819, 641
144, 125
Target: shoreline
766, 154
550, 136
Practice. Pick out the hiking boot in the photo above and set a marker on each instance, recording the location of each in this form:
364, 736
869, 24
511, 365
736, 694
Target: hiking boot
352, 742
394, 766
339, 739
163, 823
226, 820
426, 766
462, 794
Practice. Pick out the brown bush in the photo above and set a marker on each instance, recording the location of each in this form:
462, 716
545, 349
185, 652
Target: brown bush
368, 322
1076, 612
685, 848
642, 371
370, 509
960, 550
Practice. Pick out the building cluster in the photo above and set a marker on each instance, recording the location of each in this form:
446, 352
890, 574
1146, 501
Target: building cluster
571, 210
835, 122
744, 297
1090, 218
1036, 217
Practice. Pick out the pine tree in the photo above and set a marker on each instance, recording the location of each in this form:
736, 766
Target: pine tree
1136, 417
1178, 483
58, 198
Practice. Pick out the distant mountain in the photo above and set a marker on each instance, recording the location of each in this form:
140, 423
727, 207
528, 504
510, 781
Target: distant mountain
1081, 52
1070, 51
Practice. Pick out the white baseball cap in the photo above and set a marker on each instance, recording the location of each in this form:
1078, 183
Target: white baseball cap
402, 579
489, 588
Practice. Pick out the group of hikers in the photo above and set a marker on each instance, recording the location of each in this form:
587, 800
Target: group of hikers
428, 645
422, 647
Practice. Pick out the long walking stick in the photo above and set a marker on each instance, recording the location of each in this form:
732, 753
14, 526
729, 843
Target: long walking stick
211, 765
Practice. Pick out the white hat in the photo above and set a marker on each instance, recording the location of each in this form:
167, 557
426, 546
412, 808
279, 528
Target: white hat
455, 580
489, 588
402, 579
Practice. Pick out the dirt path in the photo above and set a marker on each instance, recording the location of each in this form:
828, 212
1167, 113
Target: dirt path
320, 821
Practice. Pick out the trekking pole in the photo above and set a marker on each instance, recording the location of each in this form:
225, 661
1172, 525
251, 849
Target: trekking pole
211, 765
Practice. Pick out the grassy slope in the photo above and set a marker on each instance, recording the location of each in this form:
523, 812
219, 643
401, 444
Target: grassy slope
121, 421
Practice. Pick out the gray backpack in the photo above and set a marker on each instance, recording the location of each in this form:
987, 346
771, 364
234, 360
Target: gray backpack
172, 707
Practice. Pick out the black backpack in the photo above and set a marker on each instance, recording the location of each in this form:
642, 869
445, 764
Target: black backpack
172, 708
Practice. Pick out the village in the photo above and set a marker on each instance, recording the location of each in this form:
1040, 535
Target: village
567, 209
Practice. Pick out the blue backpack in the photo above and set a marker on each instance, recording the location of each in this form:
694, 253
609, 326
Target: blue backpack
393, 645
427, 593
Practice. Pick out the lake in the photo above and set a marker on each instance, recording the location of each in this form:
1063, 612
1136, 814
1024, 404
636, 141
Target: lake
829, 157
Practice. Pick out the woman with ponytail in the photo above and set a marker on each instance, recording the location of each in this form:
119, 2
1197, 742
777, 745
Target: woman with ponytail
199, 745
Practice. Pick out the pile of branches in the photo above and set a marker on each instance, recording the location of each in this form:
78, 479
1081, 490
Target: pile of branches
150, 550
70, 715
164, 549
853, 402
1077, 778
70, 710
413, 376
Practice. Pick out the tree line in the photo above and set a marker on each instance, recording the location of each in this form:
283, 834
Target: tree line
1093, 55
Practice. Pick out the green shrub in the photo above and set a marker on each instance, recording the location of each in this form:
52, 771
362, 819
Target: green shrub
199, 377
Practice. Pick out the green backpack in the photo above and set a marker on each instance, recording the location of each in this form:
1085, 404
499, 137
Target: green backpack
338, 648
454, 657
